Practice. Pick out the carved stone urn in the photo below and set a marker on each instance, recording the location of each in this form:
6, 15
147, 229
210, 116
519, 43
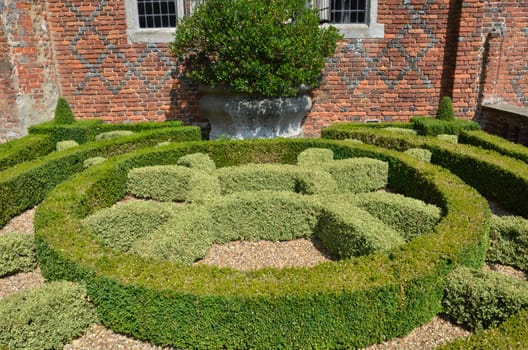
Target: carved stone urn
238, 116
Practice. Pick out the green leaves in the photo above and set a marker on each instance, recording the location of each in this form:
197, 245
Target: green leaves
268, 48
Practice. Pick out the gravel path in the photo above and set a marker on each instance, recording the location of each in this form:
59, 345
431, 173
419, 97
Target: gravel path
244, 256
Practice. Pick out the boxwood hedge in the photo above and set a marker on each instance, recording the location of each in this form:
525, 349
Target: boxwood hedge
495, 175
24, 149
25, 185
334, 305
484, 140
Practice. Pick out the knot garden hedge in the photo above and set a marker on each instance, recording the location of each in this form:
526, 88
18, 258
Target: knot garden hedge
345, 304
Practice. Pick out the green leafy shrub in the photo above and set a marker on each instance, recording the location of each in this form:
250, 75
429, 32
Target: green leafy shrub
445, 109
17, 253
63, 112
257, 177
448, 138
25, 185
410, 217
24, 149
401, 130
478, 299
64, 145
509, 241
347, 231
93, 161
198, 161
81, 131
509, 335
120, 226
420, 153
356, 301
267, 48
484, 140
428, 126
315, 156
368, 174
113, 134
172, 183
498, 177
46, 317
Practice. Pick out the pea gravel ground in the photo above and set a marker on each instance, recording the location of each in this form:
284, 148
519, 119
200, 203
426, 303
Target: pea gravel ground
243, 256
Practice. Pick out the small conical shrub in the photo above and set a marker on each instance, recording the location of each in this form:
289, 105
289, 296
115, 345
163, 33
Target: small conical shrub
63, 112
445, 109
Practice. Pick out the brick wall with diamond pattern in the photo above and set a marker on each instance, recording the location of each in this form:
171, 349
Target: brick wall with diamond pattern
474, 50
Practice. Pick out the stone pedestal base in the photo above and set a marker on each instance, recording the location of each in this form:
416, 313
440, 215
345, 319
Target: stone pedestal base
245, 117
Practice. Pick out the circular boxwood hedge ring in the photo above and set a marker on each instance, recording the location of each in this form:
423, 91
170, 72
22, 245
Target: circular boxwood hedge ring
345, 304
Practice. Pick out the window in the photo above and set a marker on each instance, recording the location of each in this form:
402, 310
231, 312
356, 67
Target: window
353, 18
155, 20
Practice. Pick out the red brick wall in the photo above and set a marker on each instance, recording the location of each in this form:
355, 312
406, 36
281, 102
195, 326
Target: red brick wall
27, 67
104, 76
431, 48
8, 114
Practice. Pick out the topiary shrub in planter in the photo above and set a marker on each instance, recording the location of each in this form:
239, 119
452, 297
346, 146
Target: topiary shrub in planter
272, 49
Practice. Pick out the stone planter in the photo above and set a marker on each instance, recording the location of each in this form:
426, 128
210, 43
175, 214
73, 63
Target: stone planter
239, 116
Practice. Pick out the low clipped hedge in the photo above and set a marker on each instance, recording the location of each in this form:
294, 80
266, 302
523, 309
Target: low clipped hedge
420, 153
172, 183
23, 186
66, 144
509, 241
197, 161
484, 140
480, 299
334, 305
83, 131
408, 216
113, 134
120, 226
509, 335
428, 126
17, 253
46, 317
24, 149
494, 175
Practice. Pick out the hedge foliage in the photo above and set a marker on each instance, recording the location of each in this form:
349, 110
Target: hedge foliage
409, 216
494, 175
63, 112
46, 317
445, 109
509, 241
334, 305
24, 149
173, 183
315, 156
509, 335
84, 131
478, 299
431, 127
197, 161
93, 161
120, 226
66, 144
368, 174
23, 186
487, 141
113, 134
420, 153
17, 253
